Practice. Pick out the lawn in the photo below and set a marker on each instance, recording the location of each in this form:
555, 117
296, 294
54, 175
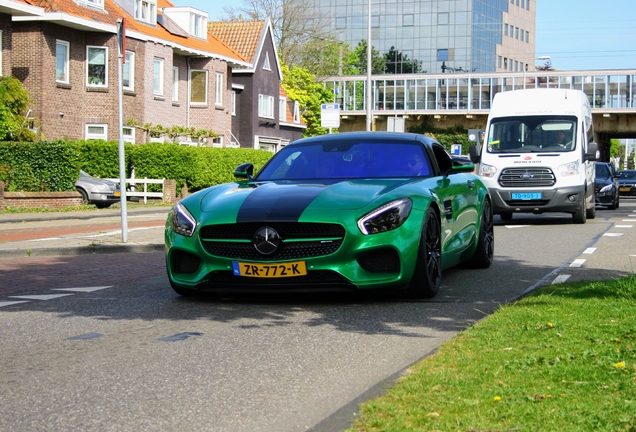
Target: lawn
560, 359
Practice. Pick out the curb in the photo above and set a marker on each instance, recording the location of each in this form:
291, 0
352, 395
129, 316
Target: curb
82, 250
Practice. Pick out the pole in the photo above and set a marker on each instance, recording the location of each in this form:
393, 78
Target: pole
369, 94
121, 38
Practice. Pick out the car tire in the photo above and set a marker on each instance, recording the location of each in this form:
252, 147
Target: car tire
591, 212
506, 216
102, 205
427, 276
580, 215
614, 204
84, 195
485, 251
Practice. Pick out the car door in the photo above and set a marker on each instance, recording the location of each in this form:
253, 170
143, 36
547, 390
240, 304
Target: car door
459, 196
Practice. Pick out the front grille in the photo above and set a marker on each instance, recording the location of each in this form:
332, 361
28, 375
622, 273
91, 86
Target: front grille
314, 280
527, 177
235, 240
380, 261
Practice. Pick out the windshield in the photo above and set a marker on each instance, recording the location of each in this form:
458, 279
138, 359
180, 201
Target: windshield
344, 160
627, 174
532, 134
602, 171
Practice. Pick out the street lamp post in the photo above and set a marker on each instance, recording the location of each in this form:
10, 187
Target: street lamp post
369, 90
546, 58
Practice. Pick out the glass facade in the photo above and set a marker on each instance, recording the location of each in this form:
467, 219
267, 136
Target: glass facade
444, 35
463, 93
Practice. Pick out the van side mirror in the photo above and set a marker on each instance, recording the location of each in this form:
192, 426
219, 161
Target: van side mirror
592, 150
474, 154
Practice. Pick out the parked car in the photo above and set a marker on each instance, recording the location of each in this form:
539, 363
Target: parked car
627, 182
95, 190
606, 185
342, 212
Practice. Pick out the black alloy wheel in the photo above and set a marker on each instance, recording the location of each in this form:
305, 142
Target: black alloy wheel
427, 277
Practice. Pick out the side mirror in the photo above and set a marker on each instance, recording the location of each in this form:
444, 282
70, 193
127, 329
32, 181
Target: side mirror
244, 171
473, 153
592, 152
461, 165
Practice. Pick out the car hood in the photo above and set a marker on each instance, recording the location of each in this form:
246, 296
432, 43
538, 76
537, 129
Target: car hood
287, 200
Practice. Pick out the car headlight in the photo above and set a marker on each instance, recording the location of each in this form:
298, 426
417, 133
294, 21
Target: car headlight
486, 170
101, 188
182, 221
569, 169
607, 188
386, 217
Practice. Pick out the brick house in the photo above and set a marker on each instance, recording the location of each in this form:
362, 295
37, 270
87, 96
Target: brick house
175, 72
257, 93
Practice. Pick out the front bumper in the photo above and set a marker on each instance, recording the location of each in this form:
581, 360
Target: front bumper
566, 199
627, 190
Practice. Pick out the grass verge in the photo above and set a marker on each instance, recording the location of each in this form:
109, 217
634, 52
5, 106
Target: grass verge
561, 359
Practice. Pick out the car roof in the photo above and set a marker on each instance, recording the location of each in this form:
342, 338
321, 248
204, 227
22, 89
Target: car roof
367, 137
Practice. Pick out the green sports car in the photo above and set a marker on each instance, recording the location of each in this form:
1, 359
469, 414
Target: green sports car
341, 212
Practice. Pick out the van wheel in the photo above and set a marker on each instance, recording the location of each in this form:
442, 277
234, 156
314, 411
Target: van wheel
591, 212
580, 215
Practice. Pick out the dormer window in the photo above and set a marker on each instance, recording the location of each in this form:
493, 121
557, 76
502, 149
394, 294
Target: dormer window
95, 3
146, 11
199, 26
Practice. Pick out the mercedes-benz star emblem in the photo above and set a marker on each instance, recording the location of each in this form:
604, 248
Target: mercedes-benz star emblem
266, 240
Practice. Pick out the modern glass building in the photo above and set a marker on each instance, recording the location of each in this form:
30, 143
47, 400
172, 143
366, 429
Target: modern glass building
440, 36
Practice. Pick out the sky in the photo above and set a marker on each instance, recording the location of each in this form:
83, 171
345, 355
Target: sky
576, 34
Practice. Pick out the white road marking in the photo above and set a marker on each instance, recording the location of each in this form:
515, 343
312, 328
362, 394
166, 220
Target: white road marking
623, 226
83, 289
516, 226
577, 263
41, 297
589, 251
612, 234
9, 303
560, 279
90, 236
627, 220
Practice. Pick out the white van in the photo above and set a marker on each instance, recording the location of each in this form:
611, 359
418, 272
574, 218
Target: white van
538, 153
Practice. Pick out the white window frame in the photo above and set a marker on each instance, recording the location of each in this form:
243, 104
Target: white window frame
205, 91
1, 65
266, 64
265, 106
146, 11
175, 83
95, 3
128, 134
157, 76
219, 86
282, 108
233, 105
67, 68
296, 112
130, 66
105, 50
199, 25
94, 135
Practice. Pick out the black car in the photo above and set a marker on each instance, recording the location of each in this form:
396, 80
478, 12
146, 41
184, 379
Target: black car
627, 182
606, 185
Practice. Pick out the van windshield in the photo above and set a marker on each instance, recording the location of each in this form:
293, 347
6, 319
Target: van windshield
527, 134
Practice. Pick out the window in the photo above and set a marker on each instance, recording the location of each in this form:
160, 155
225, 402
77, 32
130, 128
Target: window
265, 106
523, 4
146, 11
128, 133
128, 71
233, 108
61, 61
96, 70
505, 66
528, 37
375, 21
198, 86
198, 25
505, 29
175, 84
407, 20
0, 52
95, 3
96, 132
218, 94
527, 4
341, 23
296, 112
442, 55
516, 32
157, 77
266, 65
442, 18
282, 109
499, 62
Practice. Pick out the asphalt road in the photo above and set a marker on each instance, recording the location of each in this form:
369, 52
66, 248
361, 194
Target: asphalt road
120, 351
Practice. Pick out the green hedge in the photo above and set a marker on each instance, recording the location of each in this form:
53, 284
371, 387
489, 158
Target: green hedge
54, 166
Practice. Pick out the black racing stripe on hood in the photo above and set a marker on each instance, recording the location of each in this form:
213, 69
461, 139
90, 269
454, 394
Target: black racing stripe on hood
277, 202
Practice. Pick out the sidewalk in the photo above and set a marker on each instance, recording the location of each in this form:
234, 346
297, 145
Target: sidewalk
82, 232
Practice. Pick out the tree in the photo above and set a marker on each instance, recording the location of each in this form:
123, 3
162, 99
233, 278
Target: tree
14, 101
359, 59
327, 57
295, 24
302, 86
396, 62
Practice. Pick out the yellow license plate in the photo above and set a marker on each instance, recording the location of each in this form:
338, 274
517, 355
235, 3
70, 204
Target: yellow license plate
273, 270
117, 193
625, 189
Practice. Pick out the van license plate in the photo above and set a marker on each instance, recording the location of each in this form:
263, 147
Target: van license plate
273, 270
527, 196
